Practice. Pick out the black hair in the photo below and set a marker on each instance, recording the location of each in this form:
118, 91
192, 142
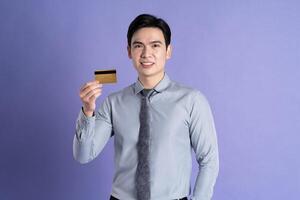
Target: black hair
146, 20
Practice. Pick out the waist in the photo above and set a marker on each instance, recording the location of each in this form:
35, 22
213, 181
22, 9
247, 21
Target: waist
114, 198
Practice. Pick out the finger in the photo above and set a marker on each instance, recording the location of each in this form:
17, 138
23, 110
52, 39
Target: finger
95, 96
87, 97
86, 85
89, 84
91, 93
89, 89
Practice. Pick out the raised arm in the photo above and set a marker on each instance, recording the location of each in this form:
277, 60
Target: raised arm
93, 129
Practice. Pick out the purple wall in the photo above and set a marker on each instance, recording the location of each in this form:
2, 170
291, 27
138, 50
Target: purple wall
244, 56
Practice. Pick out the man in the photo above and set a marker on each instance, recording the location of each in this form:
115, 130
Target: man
155, 123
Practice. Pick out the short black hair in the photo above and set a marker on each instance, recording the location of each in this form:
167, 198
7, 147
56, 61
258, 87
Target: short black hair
147, 20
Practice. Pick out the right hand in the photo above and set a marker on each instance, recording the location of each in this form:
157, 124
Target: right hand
89, 92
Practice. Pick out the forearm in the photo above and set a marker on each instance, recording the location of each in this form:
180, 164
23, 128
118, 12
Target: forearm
83, 139
206, 179
92, 134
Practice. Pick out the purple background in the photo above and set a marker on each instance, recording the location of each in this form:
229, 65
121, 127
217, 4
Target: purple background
243, 55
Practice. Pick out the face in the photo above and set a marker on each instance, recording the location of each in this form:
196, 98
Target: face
148, 52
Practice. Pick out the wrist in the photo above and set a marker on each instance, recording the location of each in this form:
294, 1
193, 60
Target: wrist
88, 113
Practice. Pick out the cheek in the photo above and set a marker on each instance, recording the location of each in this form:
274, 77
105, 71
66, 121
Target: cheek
135, 55
161, 57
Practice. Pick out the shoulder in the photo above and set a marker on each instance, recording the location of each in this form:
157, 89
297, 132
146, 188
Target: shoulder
193, 98
125, 92
189, 92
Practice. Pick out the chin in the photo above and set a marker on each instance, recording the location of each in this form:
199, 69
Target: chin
149, 74
146, 71
146, 74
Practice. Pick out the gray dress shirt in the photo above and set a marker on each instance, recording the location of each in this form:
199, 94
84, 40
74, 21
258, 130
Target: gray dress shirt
180, 121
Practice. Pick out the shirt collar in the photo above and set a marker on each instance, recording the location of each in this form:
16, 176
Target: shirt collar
163, 84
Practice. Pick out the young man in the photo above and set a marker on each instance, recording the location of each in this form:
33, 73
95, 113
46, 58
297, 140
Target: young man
155, 123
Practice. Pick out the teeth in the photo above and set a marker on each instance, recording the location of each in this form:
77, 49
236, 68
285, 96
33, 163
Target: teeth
147, 63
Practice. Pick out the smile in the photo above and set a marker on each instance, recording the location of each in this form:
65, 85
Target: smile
147, 64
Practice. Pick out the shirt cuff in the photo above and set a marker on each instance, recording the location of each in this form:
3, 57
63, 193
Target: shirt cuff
85, 115
84, 126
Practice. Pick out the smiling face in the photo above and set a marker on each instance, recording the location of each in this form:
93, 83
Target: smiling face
149, 53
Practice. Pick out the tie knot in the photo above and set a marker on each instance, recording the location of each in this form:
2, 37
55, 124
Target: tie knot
146, 92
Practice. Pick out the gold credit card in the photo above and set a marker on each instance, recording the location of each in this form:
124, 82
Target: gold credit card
106, 76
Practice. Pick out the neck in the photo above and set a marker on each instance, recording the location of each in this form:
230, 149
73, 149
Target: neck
151, 82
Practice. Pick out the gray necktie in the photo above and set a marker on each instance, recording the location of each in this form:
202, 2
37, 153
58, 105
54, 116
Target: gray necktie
143, 169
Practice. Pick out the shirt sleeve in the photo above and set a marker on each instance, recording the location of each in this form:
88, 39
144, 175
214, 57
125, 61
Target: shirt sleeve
92, 133
204, 142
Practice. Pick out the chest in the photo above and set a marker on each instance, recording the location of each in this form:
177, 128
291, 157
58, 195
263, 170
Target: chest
168, 120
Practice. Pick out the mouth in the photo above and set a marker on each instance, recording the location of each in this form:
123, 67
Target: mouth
147, 64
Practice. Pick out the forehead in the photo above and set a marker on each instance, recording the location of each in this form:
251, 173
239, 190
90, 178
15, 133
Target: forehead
148, 34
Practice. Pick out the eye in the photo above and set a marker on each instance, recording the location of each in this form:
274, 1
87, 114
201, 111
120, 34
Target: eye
156, 45
136, 46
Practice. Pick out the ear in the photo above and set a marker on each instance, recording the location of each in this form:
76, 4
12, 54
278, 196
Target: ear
169, 51
129, 52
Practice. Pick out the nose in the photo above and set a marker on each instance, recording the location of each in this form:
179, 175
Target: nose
146, 52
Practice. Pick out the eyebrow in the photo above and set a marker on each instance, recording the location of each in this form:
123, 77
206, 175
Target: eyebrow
152, 42
156, 41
